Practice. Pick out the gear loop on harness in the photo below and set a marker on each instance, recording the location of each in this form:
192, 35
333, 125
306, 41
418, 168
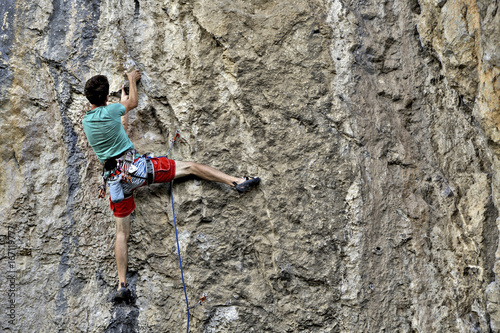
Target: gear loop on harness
119, 167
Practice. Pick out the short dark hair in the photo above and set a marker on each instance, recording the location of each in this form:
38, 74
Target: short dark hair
97, 89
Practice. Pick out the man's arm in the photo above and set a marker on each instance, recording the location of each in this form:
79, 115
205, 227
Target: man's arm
132, 100
125, 122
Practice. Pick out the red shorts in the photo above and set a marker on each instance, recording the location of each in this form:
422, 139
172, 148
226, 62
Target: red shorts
164, 173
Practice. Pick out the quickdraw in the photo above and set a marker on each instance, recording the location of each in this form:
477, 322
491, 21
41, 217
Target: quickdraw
177, 135
200, 302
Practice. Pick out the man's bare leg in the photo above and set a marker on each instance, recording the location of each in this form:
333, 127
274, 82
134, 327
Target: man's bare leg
206, 172
121, 250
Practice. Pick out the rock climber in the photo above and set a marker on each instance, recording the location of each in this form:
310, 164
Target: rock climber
106, 129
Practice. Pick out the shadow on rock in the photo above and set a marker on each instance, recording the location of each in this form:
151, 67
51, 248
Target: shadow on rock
124, 313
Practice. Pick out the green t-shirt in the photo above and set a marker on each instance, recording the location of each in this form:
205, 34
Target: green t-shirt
105, 131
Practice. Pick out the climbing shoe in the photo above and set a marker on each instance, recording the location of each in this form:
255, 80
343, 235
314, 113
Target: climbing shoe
123, 294
249, 182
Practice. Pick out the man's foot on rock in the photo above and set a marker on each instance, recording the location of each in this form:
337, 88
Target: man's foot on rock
122, 294
246, 184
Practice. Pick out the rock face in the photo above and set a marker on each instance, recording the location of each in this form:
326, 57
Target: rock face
374, 126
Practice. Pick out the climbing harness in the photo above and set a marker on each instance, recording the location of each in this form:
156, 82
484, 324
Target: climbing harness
122, 168
115, 170
150, 171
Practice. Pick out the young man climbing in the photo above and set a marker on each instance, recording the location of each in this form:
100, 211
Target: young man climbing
106, 129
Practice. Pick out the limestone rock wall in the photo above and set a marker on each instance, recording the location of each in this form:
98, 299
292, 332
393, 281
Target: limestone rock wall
373, 125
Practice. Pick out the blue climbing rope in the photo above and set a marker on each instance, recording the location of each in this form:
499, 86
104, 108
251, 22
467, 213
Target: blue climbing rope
179, 253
